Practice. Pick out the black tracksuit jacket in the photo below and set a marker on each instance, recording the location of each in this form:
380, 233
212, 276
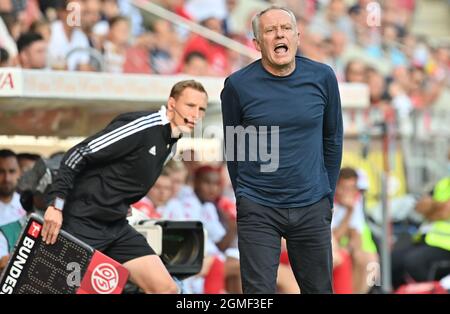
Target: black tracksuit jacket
100, 177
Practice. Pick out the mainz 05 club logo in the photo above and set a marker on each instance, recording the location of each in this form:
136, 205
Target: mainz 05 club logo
104, 278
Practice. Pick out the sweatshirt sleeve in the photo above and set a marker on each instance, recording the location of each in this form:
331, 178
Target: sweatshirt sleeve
231, 117
332, 132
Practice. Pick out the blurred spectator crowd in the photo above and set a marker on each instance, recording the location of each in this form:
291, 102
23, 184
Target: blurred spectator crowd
364, 41
363, 44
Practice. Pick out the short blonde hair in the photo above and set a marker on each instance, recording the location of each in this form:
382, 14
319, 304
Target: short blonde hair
179, 87
175, 166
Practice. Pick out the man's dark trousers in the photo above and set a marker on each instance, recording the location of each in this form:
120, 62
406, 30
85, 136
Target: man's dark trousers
307, 231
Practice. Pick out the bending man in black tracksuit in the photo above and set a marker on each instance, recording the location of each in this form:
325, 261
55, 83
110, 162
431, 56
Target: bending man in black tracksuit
100, 177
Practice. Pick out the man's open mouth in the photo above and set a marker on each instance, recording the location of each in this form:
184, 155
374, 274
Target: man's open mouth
281, 48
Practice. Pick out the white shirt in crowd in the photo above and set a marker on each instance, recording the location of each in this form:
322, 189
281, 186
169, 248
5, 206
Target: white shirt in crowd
356, 219
59, 47
203, 9
113, 61
3, 246
10, 212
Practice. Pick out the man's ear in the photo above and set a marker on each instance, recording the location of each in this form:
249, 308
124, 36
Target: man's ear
22, 58
171, 103
256, 43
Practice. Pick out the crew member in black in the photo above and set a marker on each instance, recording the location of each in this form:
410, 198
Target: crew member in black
100, 177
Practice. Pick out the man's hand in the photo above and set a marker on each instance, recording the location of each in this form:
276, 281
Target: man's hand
441, 212
433, 210
425, 205
52, 225
3, 261
348, 201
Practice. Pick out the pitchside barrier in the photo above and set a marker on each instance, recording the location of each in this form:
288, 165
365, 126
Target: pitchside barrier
66, 104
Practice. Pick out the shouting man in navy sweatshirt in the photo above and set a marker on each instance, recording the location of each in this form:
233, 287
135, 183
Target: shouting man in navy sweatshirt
296, 101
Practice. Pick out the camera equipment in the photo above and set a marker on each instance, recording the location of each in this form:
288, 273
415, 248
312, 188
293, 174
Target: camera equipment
35, 183
180, 244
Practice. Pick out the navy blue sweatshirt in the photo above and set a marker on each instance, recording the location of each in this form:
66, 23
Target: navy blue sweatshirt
305, 106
